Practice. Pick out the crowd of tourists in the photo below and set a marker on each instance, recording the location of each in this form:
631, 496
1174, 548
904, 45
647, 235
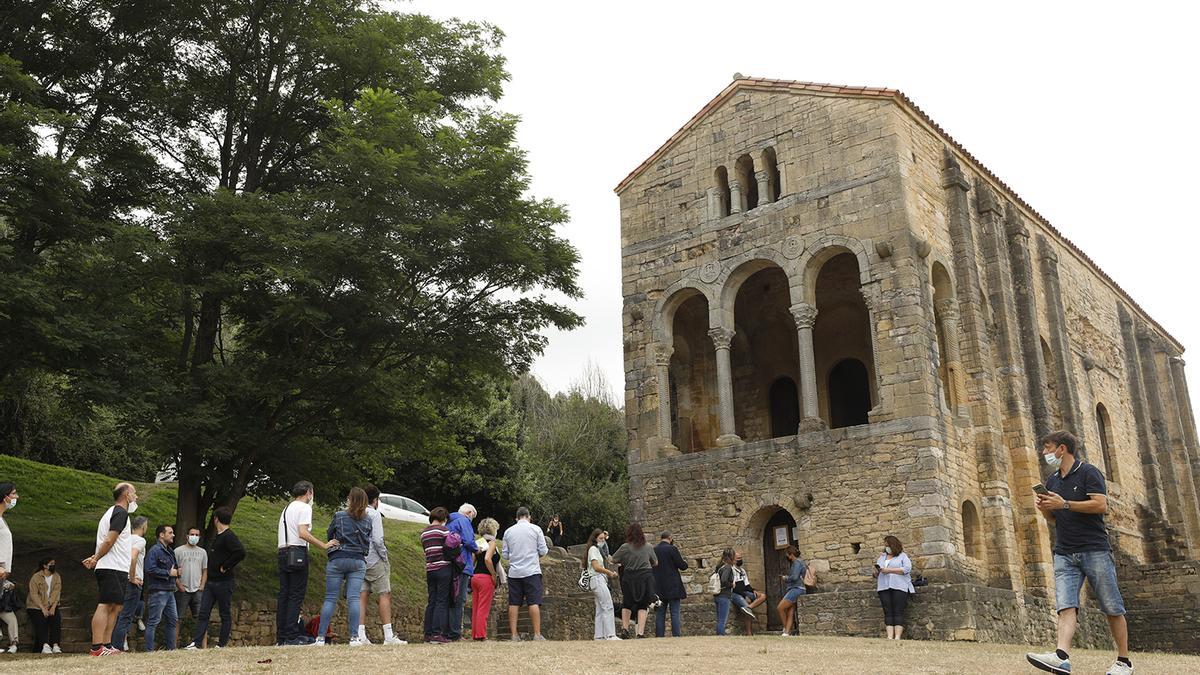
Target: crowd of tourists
162, 580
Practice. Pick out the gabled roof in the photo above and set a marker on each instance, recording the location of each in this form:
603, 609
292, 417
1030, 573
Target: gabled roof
769, 85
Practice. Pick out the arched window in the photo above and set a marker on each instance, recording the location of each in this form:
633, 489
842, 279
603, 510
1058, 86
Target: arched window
722, 179
942, 295
972, 536
849, 394
771, 166
842, 338
764, 350
692, 378
785, 407
1103, 424
746, 179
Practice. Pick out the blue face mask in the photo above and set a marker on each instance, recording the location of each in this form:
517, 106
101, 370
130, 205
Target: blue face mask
1052, 461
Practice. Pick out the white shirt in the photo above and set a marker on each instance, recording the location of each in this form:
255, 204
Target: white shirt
296, 514
524, 545
138, 543
120, 555
378, 550
6, 547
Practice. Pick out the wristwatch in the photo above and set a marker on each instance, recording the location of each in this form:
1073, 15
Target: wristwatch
1066, 505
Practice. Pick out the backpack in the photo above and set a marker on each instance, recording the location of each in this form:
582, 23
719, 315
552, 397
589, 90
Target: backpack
810, 578
714, 582
451, 548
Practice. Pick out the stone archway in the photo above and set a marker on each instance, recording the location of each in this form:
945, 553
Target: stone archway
764, 563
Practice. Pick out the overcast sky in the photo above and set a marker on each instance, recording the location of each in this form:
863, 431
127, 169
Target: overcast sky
1090, 116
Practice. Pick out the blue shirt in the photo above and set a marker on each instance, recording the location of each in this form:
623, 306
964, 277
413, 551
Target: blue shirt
1077, 532
899, 582
524, 545
354, 536
157, 575
462, 525
795, 575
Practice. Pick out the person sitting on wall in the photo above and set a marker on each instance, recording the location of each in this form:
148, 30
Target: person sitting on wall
745, 598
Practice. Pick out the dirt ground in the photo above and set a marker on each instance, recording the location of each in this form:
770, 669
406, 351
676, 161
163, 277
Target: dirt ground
683, 655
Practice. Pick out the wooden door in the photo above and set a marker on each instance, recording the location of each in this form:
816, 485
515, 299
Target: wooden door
775, 563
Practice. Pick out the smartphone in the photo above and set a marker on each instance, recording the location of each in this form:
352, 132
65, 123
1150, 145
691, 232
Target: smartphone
877, 566
1041, 489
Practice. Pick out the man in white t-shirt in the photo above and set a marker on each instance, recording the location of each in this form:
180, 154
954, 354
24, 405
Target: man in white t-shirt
111, 562
193, 577
295, 525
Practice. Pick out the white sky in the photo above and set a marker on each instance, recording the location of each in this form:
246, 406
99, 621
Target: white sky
1088, 114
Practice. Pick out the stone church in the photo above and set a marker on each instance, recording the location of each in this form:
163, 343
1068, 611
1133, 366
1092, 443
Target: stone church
839, 324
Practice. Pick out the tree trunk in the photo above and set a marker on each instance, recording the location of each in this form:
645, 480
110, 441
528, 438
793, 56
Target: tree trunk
187, 504
190, 506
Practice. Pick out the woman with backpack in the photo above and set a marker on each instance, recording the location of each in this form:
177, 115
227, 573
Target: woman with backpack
598, 577
893, 574
793, 584
347, 562
720, 584
439, 573
637, 560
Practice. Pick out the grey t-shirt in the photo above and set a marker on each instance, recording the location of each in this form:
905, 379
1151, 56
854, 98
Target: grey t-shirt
192, 560
636, 558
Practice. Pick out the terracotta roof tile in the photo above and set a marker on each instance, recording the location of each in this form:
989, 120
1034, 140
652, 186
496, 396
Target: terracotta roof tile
756, 83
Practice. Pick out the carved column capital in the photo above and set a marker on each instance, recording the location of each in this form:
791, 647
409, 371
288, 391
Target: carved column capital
662, 355
762, 175
804, 314
948, 309
721, 337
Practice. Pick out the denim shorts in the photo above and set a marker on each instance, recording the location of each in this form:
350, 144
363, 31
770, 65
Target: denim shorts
1100, 570
793, 593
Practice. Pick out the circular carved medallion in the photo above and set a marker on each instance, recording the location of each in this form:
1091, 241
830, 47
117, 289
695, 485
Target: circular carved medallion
793, 246
710, 271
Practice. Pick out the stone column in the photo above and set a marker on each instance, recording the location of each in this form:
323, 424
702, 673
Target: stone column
1065, 363
1027, 317
722, 338
735, 197
1184, 402
810, 415
662, 363
764, 187
1151, 474
1160, 434
947, 311
714, 204
1181, 450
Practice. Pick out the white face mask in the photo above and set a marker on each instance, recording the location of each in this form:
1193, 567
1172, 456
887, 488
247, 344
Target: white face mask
193, 539
12, 502
887, 550
132, 507
1052, 461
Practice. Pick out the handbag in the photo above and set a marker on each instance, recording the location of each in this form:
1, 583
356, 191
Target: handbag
296, 557
585, 580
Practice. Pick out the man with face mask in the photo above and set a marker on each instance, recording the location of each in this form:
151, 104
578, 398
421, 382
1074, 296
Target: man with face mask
193, 576
1074, 504
111, 562
8, 499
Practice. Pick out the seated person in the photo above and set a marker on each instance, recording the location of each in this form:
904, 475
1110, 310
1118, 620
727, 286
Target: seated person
744, 595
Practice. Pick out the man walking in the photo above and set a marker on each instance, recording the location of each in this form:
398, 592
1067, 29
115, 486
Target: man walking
132, 608
461, 523
111, 562
193, 576
668, 585
227, 552
295, 524
378, 578
524, 545
162, 571
1074, 504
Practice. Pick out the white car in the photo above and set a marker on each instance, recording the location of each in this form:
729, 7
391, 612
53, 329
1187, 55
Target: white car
402, 508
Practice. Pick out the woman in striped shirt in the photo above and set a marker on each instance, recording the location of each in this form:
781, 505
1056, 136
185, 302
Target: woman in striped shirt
438, 577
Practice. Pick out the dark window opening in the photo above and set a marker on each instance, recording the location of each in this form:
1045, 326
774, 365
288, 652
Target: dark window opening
849, 394
785, 407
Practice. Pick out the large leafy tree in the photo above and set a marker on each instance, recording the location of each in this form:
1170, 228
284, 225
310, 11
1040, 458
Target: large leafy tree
342, 228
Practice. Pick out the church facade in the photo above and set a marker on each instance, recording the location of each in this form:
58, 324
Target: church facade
839, 325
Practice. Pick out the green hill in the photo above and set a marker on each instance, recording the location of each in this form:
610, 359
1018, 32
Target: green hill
59, 509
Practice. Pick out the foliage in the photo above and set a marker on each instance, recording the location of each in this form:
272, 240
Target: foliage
303, 229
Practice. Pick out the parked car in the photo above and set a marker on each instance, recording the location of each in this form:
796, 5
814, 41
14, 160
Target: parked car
402, 508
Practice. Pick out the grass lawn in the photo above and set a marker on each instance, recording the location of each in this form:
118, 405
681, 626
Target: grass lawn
683, 655
60, 508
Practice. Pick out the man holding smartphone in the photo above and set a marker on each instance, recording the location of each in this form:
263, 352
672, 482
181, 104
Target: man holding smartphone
1074, 502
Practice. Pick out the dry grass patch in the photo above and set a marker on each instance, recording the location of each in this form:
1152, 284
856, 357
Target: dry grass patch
685, 655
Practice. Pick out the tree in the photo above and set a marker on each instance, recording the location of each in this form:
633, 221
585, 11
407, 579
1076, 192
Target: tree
340, 243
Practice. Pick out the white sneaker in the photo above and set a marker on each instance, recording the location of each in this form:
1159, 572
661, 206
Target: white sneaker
125, 647
357, 642
192, 646
46, 649
785, 634
1049, 662
1119, 668
612, 637
319, 642
393, 640
141, 625
57, 649
12, 649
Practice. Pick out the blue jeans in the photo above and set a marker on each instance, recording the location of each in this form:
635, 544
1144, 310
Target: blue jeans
161, 605
352, 571
1100, 570
456, 607
660, 619
129, 611
437, 608
740, 600
723, 603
